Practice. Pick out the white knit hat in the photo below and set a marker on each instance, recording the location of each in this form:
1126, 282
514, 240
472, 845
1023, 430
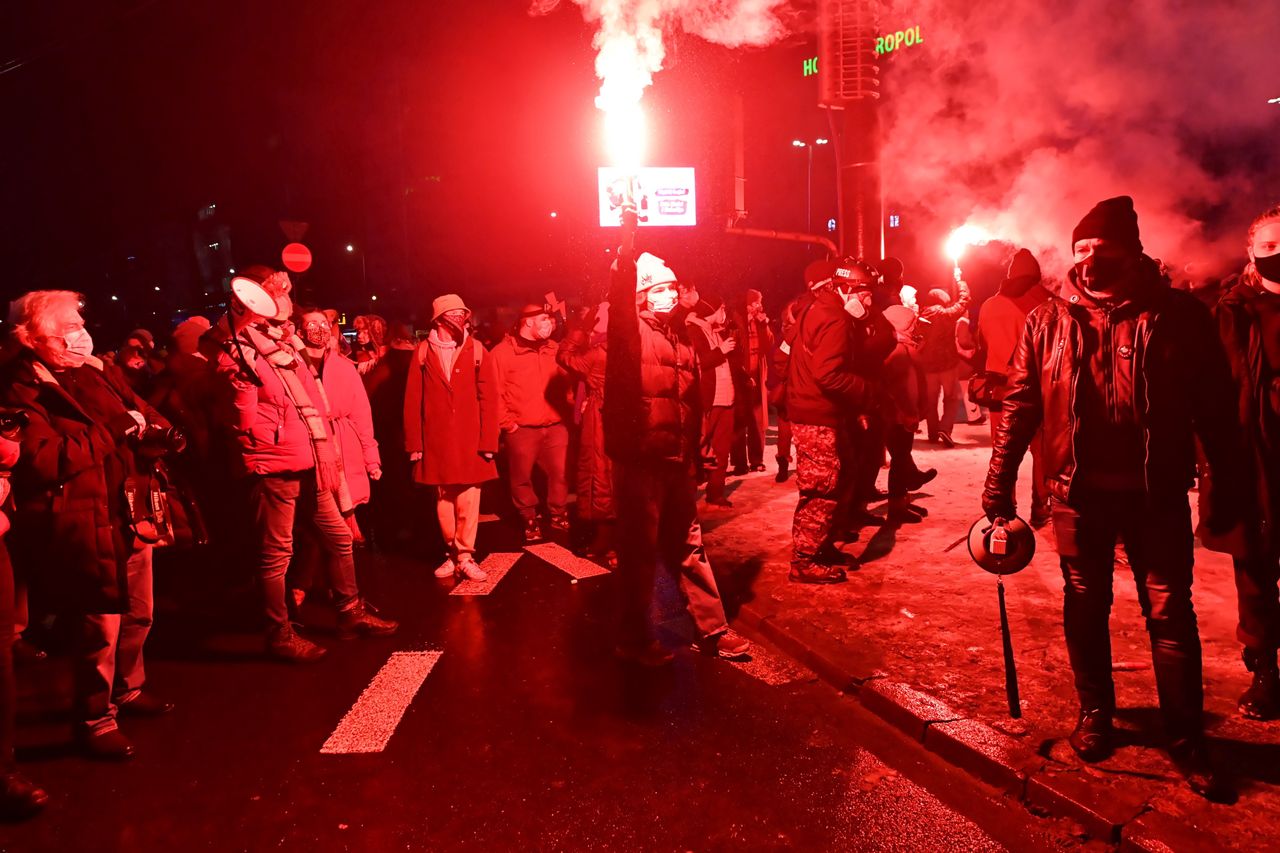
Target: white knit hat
652, 271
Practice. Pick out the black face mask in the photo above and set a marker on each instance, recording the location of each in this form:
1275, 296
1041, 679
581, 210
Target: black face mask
1268, 267
1103, 274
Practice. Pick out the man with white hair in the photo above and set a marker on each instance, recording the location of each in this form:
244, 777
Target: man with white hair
652, 427
72, 525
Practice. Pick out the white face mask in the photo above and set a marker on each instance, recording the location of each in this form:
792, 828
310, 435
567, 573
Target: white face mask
79, 345
664, 302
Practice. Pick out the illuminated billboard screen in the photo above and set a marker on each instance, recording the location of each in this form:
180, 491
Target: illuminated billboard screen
664, 196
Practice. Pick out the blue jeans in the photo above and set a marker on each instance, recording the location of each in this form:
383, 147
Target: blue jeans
277, 501
108, 665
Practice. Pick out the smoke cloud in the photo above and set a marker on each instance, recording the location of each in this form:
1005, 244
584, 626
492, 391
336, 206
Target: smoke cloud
1019, 115
629, 38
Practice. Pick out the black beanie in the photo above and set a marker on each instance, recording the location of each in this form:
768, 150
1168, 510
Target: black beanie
1114, 220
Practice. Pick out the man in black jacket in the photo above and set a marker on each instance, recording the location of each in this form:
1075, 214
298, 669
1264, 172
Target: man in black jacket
1124, 373
652, 426
824, 393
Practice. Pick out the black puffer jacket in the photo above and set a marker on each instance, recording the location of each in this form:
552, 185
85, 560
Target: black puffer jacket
1257, 386
652, 402
1181, 389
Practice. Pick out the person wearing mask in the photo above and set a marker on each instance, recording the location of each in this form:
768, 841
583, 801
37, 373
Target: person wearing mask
585, 354
1123, 373
652, 420
350, 418
1249, 326
452, 405
825, 394
71, 519
706, 332
371, 333
1000, 322
534, 397
20, 798
285, 448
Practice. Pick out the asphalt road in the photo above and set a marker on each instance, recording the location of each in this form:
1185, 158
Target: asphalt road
524, 734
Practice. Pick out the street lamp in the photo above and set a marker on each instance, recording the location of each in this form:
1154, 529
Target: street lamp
364, 276
808, 193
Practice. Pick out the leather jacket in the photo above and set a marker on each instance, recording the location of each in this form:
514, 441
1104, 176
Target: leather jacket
1165, 360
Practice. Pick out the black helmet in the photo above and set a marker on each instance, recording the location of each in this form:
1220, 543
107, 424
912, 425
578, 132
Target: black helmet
855, 272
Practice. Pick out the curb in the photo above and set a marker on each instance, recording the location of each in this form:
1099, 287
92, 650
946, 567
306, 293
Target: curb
1114, 815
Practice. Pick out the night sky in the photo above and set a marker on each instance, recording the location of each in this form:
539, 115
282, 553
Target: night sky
435, 138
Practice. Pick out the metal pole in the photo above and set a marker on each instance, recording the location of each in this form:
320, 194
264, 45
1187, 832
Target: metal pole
808, 195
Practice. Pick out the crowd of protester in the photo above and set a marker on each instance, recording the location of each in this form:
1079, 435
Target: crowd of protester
266, 435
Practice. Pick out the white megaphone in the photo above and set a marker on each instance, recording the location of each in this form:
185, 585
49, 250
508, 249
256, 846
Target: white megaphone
252, 297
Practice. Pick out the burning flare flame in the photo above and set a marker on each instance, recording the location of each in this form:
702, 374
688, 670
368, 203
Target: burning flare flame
964, 237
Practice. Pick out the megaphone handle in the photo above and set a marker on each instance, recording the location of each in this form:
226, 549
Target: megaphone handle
1010, 668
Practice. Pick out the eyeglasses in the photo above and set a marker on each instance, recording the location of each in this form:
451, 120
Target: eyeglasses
317, 324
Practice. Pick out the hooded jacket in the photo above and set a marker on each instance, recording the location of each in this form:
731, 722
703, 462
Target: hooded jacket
1165, 371
1001, 317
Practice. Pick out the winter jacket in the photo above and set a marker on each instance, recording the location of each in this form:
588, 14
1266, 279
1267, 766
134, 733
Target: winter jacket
534, 392
385, 385
269, 433
937, 328
1162, 357
452, 420
823, 386
70, 521
595, 470
351, 423
1000, 321
652, 401
1257, 405
720, 378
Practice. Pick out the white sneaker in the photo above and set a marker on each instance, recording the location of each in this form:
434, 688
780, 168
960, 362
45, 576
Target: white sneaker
446, 569
471, 570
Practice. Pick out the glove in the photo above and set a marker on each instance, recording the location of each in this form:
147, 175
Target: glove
998, 506
126, 424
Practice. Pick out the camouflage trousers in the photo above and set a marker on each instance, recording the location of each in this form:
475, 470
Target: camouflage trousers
820, 479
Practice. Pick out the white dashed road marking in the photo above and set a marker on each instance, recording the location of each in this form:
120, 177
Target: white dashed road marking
372, 720
497, 566
566, 561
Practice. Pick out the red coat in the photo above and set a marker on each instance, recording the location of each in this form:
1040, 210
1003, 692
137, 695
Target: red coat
351, 423
452, 421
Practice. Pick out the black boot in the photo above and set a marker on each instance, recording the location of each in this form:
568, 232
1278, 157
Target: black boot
784, 469
20, 798
1191, 757
362, 620
1092, 738
1262, 700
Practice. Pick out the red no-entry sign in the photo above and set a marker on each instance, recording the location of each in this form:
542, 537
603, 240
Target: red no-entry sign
296, 257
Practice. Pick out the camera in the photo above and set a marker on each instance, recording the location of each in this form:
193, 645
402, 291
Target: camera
12, 421
161, 441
